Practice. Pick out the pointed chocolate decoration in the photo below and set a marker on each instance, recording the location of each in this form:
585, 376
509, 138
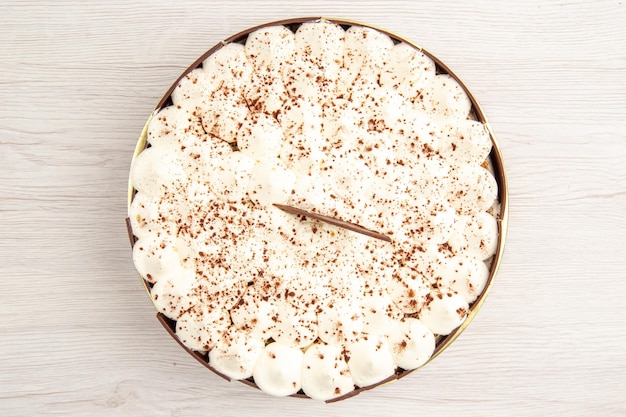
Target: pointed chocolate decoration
335, 222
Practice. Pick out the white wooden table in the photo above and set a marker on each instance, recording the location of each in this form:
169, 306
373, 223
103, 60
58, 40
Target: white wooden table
78, 335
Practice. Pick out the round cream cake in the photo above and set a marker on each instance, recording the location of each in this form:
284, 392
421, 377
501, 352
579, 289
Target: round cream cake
343, 122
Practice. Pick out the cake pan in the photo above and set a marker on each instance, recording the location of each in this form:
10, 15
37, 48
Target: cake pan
495, 161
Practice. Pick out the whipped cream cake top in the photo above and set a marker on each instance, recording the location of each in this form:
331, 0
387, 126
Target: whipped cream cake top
344, 123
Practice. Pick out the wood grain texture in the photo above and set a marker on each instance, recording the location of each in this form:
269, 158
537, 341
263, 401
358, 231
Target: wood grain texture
79, 336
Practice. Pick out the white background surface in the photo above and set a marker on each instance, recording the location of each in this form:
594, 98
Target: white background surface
78, 335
